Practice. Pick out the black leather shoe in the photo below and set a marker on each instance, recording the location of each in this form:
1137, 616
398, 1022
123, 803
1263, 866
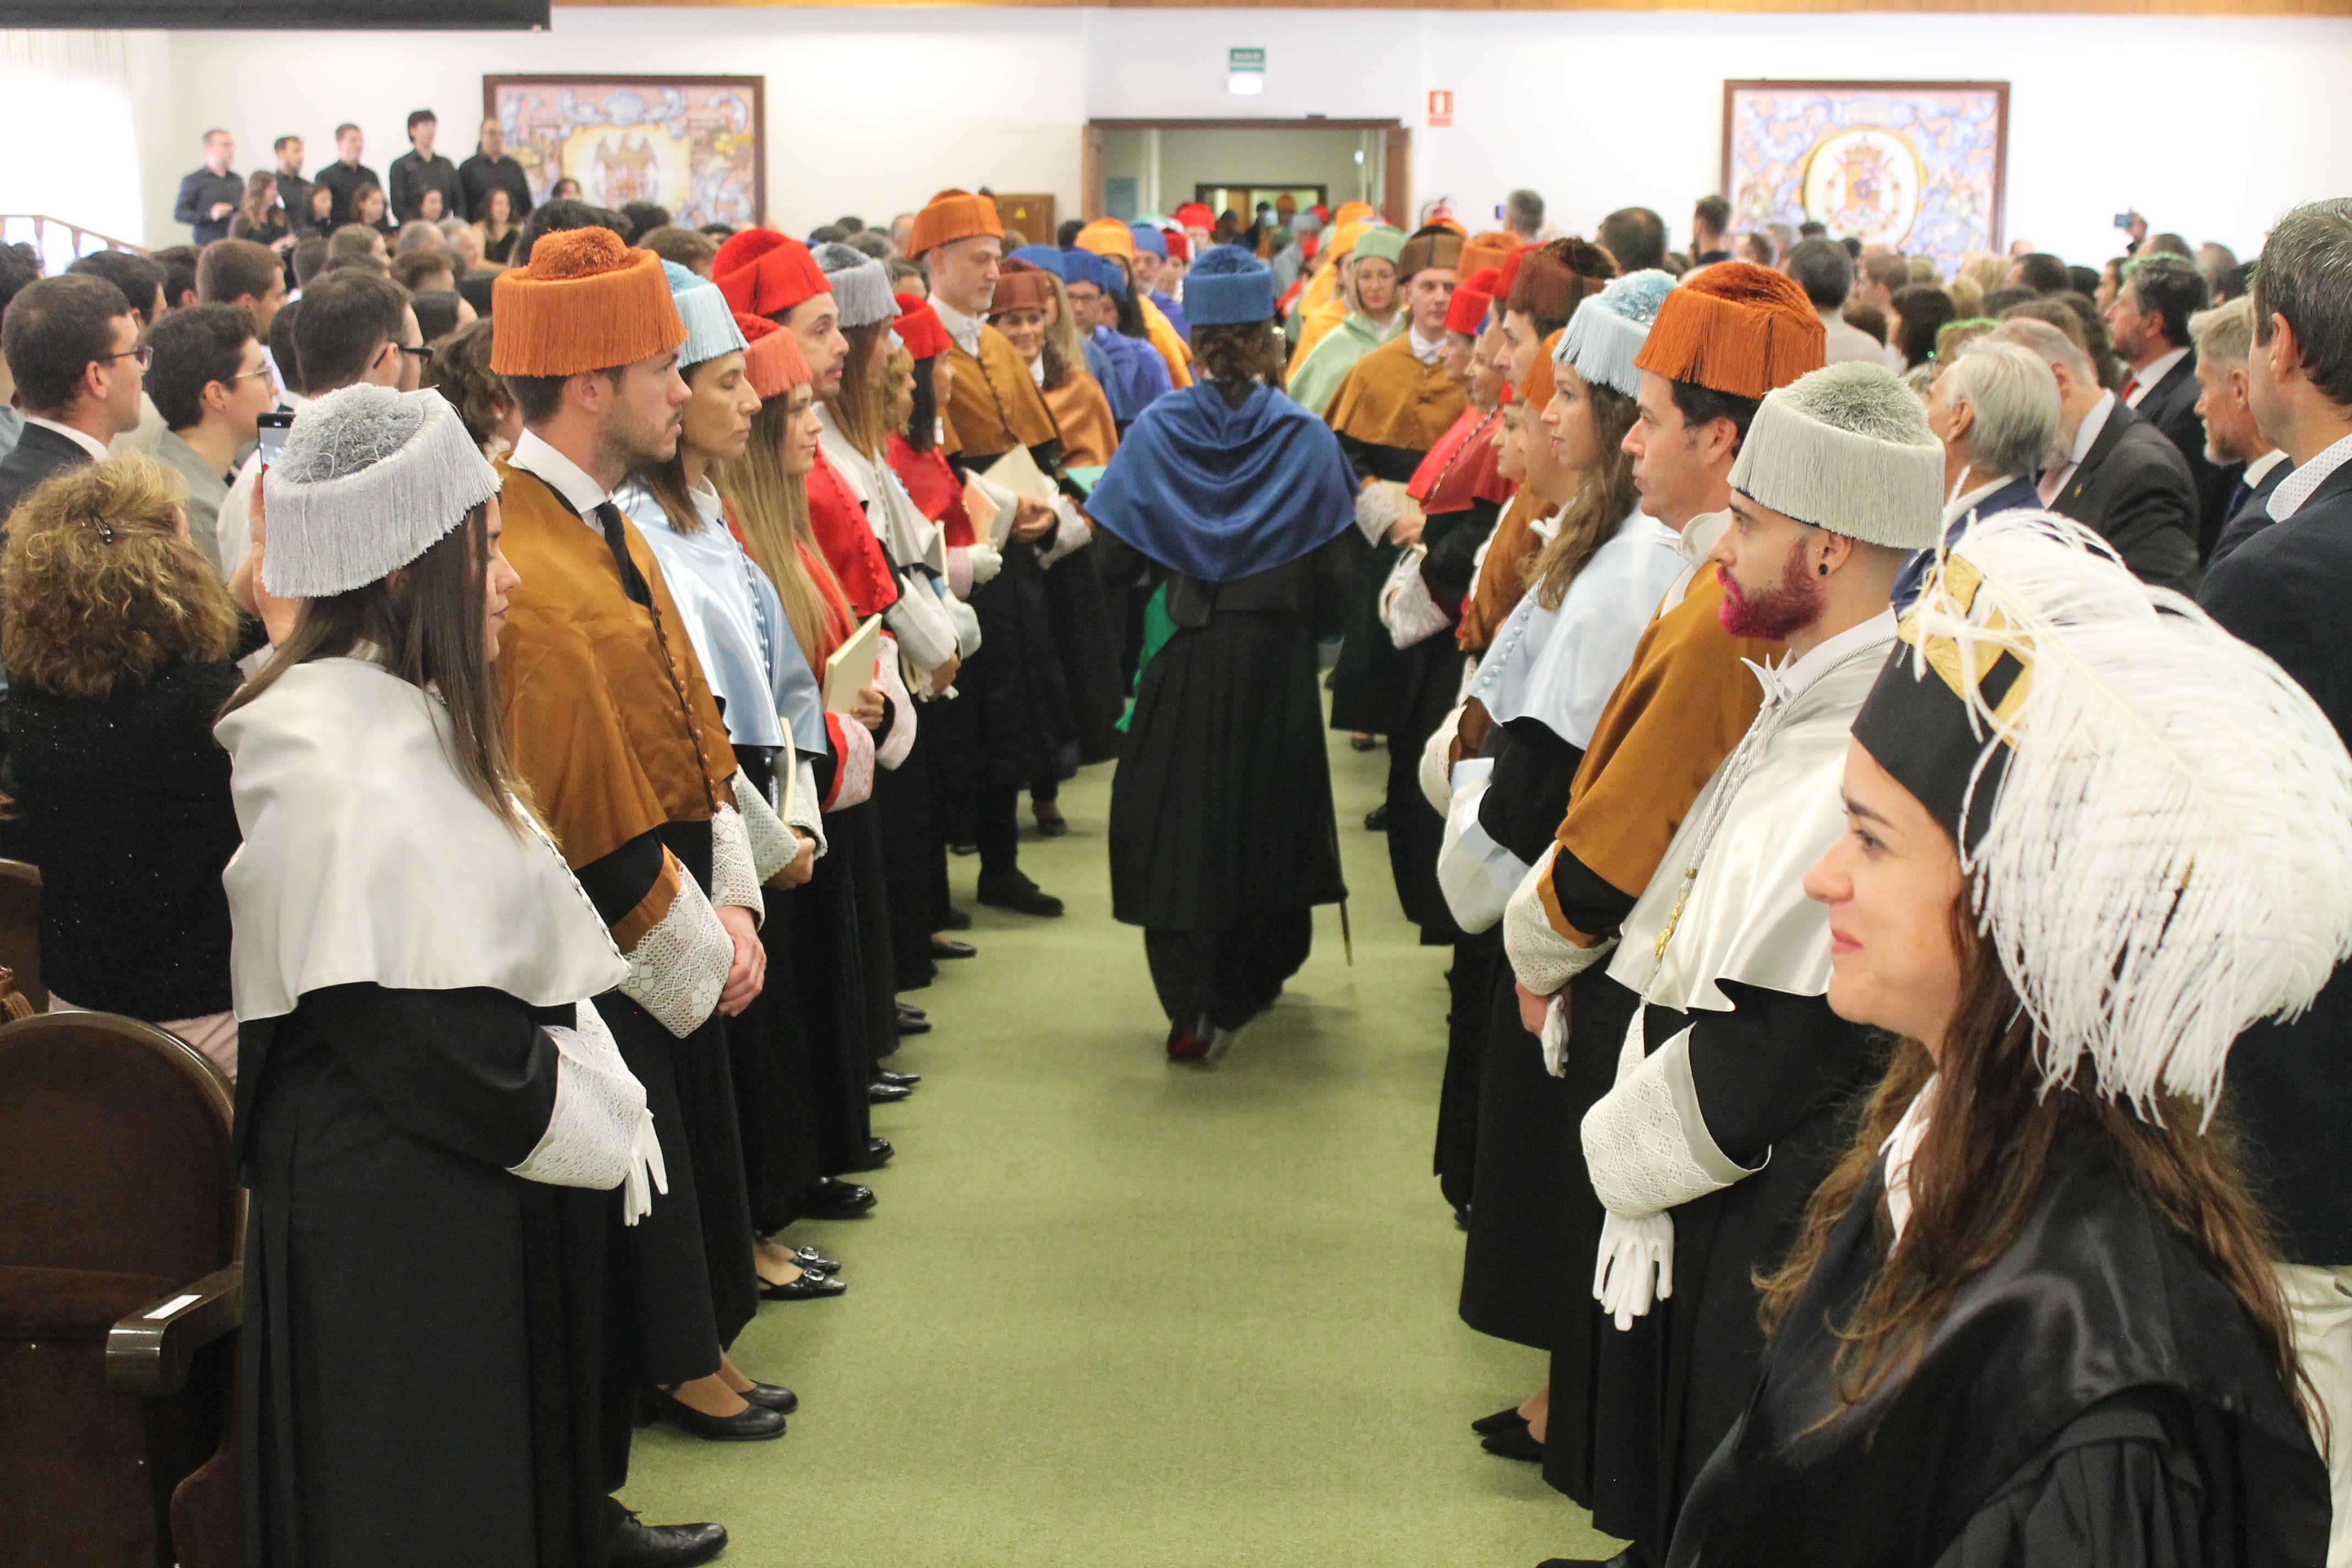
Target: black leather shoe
752, 1424
1013, 890
1377, 820
833, 1199
1513, 1443
773, 1396
963, 848
1361, 742
909, 1010
913, 1023
948, 947
1501, 1421
634, 1544
1052, 826
807, 1288
815, 1262
898, 1080
877, 1153
956, 920
880, 1093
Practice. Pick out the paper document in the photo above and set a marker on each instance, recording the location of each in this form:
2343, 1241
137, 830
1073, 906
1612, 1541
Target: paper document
852, 666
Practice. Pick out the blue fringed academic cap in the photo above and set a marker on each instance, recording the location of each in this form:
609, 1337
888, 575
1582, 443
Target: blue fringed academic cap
1228, 286
1042, 257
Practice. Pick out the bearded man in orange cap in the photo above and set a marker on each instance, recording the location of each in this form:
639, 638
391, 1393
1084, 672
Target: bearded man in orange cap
1721, 341
610, 721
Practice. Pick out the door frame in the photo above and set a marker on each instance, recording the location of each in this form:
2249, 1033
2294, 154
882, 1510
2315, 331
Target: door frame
1396, 154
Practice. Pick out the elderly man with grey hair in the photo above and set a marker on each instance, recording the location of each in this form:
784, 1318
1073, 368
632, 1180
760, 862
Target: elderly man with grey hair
2224, 337
2118, 475
1995, 409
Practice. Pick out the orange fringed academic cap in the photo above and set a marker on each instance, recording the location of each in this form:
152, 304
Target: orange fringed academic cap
1735, 328
1021, 287
1107, 237
1553, 278
1491, 249
585, 301
1353, 212
1540, 382
772, 362
951, 216
765, 273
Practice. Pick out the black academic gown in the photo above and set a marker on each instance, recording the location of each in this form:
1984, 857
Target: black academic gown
1014, 725
2093, 1398
420, 1370
776, 1104
1779, 1080
1366, 681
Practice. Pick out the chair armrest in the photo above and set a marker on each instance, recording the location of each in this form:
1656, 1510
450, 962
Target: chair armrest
150, 1351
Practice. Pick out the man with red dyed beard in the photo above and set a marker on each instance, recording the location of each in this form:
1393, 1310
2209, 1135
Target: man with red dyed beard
1735, 1079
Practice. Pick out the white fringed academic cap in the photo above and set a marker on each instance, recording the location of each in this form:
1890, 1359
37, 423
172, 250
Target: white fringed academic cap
2155, 819
861, 285
710, 329
371, 479
1847, 447
1606, 330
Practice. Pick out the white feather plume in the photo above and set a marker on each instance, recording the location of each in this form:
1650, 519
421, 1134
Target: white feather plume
2169, 855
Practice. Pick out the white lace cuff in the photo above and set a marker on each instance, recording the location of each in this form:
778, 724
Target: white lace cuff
679, 968
891, 746
920, 622
804, 810
734, 867
1406, 610
772, 843
1435, 786
1542, 958
1645, 1141
853, 761
1376, 512
593, 1137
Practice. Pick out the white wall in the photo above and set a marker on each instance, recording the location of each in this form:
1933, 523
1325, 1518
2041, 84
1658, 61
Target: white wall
1188, 159
2209, 126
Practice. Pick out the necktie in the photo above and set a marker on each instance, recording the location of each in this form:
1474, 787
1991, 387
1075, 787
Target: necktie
2131, 384
2240, 493
633, 582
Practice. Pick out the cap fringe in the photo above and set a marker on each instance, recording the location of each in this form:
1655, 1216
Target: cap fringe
379, 502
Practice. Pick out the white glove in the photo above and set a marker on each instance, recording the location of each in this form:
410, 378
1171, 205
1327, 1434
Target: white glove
987, 560
1377, 511
1631, 1250
646, 1172
1555, 1033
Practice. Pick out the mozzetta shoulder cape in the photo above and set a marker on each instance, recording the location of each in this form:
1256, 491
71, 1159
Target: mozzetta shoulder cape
1502, 575
1392, 399
992, 405
1221, 493
848, 540
1089, 435
1460, 470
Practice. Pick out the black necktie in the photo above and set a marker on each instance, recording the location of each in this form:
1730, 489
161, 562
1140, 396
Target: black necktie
633, 582
2240, 493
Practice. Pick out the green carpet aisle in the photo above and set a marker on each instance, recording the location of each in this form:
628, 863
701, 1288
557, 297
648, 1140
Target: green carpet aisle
1118, 1314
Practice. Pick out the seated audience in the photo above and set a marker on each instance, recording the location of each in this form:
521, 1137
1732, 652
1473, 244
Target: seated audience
210, 379
72, 347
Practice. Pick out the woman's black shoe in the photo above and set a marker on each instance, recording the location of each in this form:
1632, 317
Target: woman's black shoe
807, 1288
832, 1199
913, 1024
1501, 1421
877, 1154
1513, 1443
773, 1396
1013, 890
813, 1261
1377, 820
752, 1424
880, 1093
956, 920
948, 947
1361, 742
1052, 826
898, 1080
634, 1544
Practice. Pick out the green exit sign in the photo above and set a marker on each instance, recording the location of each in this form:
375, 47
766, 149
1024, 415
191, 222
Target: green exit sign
1245, 59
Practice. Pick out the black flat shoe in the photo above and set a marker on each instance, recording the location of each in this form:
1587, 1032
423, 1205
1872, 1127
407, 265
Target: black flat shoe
1513, 1443
833, 1199
807, 1288
913, 1023
877, 1154
1501, 1421
1013, 890
634, 1544
773, 1396
909, 1010
879, 1093
752, 1424
1052, 826
1377, 820
948, 947
1361, 742
963, 848
898, 1080
956, 920
814, 1262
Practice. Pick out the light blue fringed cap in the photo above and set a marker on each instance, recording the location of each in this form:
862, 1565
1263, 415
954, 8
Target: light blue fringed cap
1608, 328
710, 329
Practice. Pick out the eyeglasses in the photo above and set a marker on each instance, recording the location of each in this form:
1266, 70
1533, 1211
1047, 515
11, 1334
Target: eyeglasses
142, 353
249, 374
418, 353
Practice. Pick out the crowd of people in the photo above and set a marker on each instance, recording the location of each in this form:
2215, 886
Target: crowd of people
1869, 741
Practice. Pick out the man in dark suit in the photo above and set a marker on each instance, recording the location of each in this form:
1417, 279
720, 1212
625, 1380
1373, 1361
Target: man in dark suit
491, 169
2149, 323
2119, 475
209, 197
2290, 1084
72, 346
2225, 336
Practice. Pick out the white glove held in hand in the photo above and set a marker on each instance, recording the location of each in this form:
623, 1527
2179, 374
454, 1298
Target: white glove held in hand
1632, 1252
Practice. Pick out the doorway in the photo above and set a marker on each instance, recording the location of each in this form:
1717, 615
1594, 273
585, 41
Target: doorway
1129, 167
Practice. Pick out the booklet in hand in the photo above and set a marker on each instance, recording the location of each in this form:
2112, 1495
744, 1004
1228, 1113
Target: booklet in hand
852, 667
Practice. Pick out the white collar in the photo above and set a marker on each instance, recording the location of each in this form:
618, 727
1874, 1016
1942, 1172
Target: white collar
1037, 370
705, 497
565, 477
2093, 423
2259, 469
1964, 502
82, 439
1792, 677
1698, 536
1424, 348
2144, 380
1900, 1146
2297, 487
963, 329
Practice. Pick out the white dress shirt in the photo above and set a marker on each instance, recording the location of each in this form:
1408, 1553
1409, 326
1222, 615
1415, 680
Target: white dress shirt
963, 329
2142, 380
2297, 487
82, 439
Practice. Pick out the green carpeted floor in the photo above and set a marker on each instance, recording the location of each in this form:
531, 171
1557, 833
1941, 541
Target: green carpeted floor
1115, 1313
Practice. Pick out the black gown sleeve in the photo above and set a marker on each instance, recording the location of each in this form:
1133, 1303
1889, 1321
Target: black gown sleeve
1452, 564
2111, 1490
1767, 1067
1373, 461
618, 882
1590, 900
1528, 792
467, 1069
1335, 563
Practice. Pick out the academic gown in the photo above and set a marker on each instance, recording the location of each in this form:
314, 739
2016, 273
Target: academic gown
2094, 1397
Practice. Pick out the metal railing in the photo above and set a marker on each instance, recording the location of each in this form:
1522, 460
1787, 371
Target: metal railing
57, 242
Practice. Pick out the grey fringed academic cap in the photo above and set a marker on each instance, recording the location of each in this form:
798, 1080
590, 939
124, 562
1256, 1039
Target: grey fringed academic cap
371, 479
1847, 447
861, 285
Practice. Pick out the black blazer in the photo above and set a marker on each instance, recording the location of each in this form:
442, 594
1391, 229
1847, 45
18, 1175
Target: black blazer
39, 453
2171, 406
2250, 516
2133, 490
2290, 1085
